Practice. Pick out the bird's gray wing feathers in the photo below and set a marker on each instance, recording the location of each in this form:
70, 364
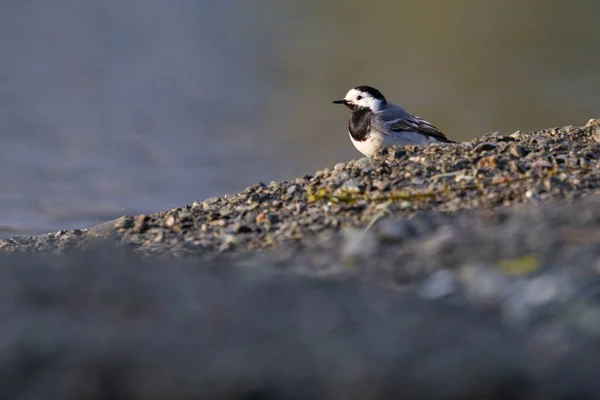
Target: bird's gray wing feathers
400, 120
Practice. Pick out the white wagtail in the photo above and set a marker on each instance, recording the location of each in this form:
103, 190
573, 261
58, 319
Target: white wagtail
376, 123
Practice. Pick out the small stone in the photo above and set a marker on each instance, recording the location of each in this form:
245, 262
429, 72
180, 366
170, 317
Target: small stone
109, 228
158, 235
238, 227
513, 166
532, 195
593, 122
291, 190
123, 222
260, 218
517, 151
443, 239
541, 291
225, 212
487, 162
209, 203
380, 185
405, 204
516, 135
418, 182
140, 223
272, 219
218, 223
484, 147
393, 230
228, 242
382, 153
501, 146
358, 244
492, 135
440, 284
186, 219
539, 141
484, 285
352, 185
398, 154
362, 162
169, 221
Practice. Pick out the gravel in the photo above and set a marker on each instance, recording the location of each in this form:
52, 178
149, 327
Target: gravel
465, 271
493, 171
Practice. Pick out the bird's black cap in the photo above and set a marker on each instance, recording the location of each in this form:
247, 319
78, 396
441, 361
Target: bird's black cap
372, 91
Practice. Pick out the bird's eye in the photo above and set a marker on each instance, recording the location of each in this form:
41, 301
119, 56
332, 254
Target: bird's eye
358, 97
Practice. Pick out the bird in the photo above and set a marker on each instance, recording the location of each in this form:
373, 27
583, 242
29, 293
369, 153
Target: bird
377, 123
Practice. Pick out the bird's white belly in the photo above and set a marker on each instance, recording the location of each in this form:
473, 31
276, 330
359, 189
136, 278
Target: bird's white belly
369, 146
374, 142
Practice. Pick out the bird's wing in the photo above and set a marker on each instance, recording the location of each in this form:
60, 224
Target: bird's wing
412, 123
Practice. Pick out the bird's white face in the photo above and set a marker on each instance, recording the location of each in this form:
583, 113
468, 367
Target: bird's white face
362, 99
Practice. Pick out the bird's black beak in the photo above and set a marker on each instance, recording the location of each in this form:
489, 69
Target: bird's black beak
343, 101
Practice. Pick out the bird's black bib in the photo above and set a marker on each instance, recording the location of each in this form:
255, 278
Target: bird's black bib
360, 124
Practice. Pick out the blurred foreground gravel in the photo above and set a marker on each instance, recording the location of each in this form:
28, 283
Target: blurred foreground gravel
451, 272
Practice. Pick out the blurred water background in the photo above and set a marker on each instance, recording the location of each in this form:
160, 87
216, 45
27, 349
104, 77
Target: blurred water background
112, 107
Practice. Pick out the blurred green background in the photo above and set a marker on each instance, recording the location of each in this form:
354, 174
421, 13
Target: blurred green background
131, 106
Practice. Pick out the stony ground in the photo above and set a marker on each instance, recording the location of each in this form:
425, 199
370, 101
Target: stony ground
494, 170
468, 271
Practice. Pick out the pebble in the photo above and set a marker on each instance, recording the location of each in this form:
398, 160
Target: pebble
393, 230
351, 185
291, 190
140, 224
483, 285
440, 284
484, 147
358, 244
